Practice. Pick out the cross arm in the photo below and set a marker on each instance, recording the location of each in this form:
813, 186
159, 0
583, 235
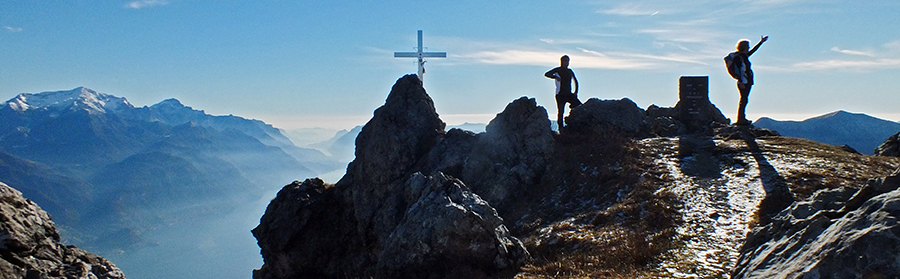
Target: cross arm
434, 54
406, 54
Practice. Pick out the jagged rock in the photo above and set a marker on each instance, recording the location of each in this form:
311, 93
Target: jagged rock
400, 132
830, 235
890, 147
384, 218
30, 247
511, 154
622, 114
303, 232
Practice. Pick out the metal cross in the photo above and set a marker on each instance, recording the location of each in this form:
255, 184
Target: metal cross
421, 55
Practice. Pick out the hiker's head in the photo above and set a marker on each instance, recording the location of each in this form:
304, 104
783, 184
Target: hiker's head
564, 61
743, 46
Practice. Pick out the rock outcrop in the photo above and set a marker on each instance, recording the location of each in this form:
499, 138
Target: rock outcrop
30, 247
512, 153
834, 234
623, 114
395, 214
627, 118
890, 147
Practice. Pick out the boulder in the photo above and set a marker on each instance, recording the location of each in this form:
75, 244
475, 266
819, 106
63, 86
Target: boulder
834, 234
30, 245
890, 147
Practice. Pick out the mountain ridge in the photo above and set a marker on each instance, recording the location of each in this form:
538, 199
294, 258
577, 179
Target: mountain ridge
860, 131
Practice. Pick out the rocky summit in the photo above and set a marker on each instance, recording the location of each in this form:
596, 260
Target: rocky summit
389, 216
620, 192
30, 245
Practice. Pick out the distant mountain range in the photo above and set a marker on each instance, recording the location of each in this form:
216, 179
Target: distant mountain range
859, 131
342, 145
109, 172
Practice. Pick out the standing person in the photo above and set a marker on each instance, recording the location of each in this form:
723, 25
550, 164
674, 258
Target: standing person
738, 64
564, 94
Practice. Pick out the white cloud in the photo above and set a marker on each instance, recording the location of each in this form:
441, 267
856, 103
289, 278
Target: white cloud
145, 4
852, 52
13, 29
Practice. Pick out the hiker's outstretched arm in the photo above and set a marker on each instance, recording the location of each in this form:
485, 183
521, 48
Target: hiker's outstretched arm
761, 40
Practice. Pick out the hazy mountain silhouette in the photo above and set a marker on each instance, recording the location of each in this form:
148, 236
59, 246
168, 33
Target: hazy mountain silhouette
860, 131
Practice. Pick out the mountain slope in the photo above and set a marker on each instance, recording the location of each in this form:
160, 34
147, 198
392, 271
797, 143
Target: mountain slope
861, 132
120, 177
69, 198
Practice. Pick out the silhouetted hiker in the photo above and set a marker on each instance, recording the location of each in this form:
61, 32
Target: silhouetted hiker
738, 64
564, 76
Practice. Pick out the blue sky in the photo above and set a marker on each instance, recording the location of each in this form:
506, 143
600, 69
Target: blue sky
330, 63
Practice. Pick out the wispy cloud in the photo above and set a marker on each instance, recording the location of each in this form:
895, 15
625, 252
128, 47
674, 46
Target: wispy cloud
892, 46
584, 59
145, 4
13, 29
853, 52
863, 65
630, 10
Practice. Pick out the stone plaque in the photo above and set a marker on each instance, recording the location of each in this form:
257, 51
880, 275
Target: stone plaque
693, 91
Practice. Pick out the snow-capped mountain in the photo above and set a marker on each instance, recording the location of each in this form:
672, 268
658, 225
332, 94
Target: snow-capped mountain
76, 99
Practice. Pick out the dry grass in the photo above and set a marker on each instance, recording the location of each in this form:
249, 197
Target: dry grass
611, 222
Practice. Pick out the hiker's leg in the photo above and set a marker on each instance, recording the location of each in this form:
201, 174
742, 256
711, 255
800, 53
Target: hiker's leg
560, 107
575, 102
742, 105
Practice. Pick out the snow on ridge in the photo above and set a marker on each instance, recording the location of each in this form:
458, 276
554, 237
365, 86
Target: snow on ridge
78, 98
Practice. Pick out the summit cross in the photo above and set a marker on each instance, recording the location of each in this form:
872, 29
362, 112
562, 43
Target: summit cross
421, 55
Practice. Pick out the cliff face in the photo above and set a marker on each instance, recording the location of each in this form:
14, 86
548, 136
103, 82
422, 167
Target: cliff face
30, 247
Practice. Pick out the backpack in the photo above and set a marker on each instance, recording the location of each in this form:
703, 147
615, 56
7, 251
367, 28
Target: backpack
729, 63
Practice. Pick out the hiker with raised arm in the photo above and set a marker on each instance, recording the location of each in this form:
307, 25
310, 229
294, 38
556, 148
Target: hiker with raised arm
564, 94
738, 64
